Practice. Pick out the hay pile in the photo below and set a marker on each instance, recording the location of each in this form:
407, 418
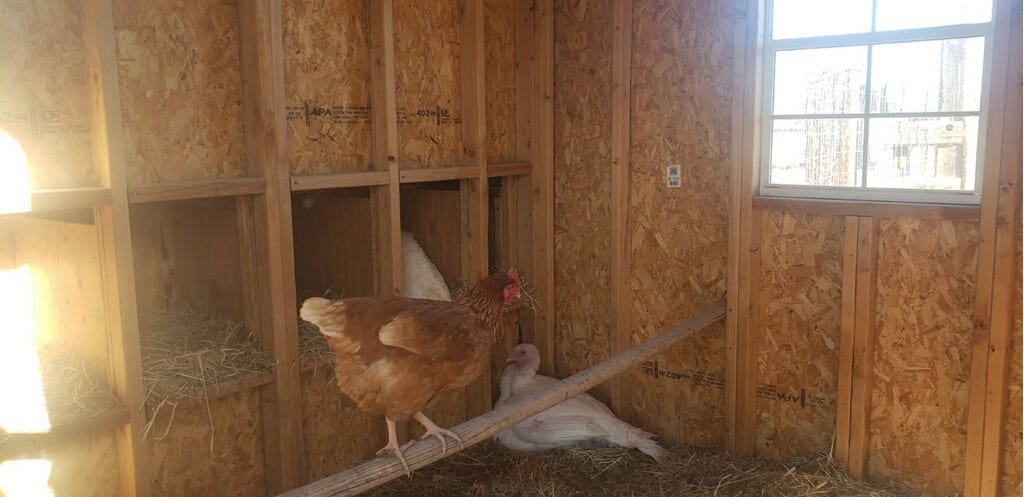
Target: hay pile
184, 353
73, 390
491, 470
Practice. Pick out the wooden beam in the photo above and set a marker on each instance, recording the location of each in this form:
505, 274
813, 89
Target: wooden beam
342, 180
424, 175
474, 192
744, 234
263, 108
14, 445
847, 327
1001, 194
378, 471
114, 232
542, 186
866, 208
66, 199
385, 203
509, 169
863, 346
622, 47
185, 190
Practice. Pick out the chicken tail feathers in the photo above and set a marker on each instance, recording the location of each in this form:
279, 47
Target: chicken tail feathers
629, 436
314, 310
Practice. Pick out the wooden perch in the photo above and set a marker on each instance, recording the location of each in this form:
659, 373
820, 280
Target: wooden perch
383, 469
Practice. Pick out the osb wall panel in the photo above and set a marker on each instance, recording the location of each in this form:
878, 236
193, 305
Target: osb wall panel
926, 280
332, 244
336, 434
1012, 434
500, 78
327, 85
798, 343
68, 310
178, 68
188, 251
582, 122
43, 90
83, 468
427, 86
208, 452
681, 114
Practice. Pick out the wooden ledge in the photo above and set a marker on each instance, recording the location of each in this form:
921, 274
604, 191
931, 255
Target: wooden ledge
188, 190
341, 180
866, 208
509, 169
62, 199
21, 444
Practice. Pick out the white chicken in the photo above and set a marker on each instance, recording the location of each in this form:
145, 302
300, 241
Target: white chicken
581, 421
420, 277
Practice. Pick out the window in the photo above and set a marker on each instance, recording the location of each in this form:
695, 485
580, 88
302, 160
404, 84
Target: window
875, 99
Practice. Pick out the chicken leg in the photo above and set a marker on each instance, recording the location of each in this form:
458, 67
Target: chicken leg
436, 431
393, 447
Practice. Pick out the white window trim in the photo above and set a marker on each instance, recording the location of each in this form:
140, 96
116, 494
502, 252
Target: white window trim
983, 30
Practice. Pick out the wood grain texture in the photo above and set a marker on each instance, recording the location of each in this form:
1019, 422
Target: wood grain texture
847, 324
682, 62
501, 90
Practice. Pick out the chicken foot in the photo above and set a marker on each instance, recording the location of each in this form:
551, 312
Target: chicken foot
435, 431
393, 446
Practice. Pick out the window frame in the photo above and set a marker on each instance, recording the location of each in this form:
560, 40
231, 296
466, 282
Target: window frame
870, 40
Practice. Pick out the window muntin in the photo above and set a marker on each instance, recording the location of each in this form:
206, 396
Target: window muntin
858, 113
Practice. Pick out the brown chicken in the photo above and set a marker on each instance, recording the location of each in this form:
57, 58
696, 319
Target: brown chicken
395, 355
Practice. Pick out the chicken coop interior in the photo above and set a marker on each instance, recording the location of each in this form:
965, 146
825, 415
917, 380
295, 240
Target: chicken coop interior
178, 178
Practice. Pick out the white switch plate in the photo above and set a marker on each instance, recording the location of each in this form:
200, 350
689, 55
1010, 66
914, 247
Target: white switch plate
673, 176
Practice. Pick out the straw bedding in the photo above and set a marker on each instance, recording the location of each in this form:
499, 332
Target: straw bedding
73, 390
491, 470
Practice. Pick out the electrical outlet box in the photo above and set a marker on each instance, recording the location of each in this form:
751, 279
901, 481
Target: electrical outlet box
673, 176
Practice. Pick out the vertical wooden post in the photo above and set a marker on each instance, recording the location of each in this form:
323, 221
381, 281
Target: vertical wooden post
263, 108
522, 222
385, 208
847, 326
993, 310
114, 229
474, 192
863, 346
622, 48
542, 185
744, 237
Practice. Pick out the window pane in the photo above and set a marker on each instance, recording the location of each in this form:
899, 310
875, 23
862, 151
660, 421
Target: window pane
939, 153
821, 152
800, 18
820, 81
927, 76
907, 14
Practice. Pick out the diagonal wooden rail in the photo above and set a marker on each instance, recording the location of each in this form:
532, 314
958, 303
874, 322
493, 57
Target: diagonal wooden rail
381, 470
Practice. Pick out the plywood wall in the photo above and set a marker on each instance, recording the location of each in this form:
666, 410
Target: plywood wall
43, 90
333, 248
427, 86
500, 78
681, 72
1012, 429
582, 164
188, 251
180, 84
798, 342
327, 85
337, 435
926, 276
208, 450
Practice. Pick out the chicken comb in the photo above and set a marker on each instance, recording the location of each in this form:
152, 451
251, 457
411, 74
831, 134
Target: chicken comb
512, 273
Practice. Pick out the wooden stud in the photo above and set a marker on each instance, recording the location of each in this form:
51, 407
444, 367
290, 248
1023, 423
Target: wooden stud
424, 175
343, 180
744, 237
15, 445
383, 469
263, 107
385, 207
1001, 193
521, 221
66, 199
542, 186
475, 202
622, 48
509, 169
114, 232
863, 346
847, 327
